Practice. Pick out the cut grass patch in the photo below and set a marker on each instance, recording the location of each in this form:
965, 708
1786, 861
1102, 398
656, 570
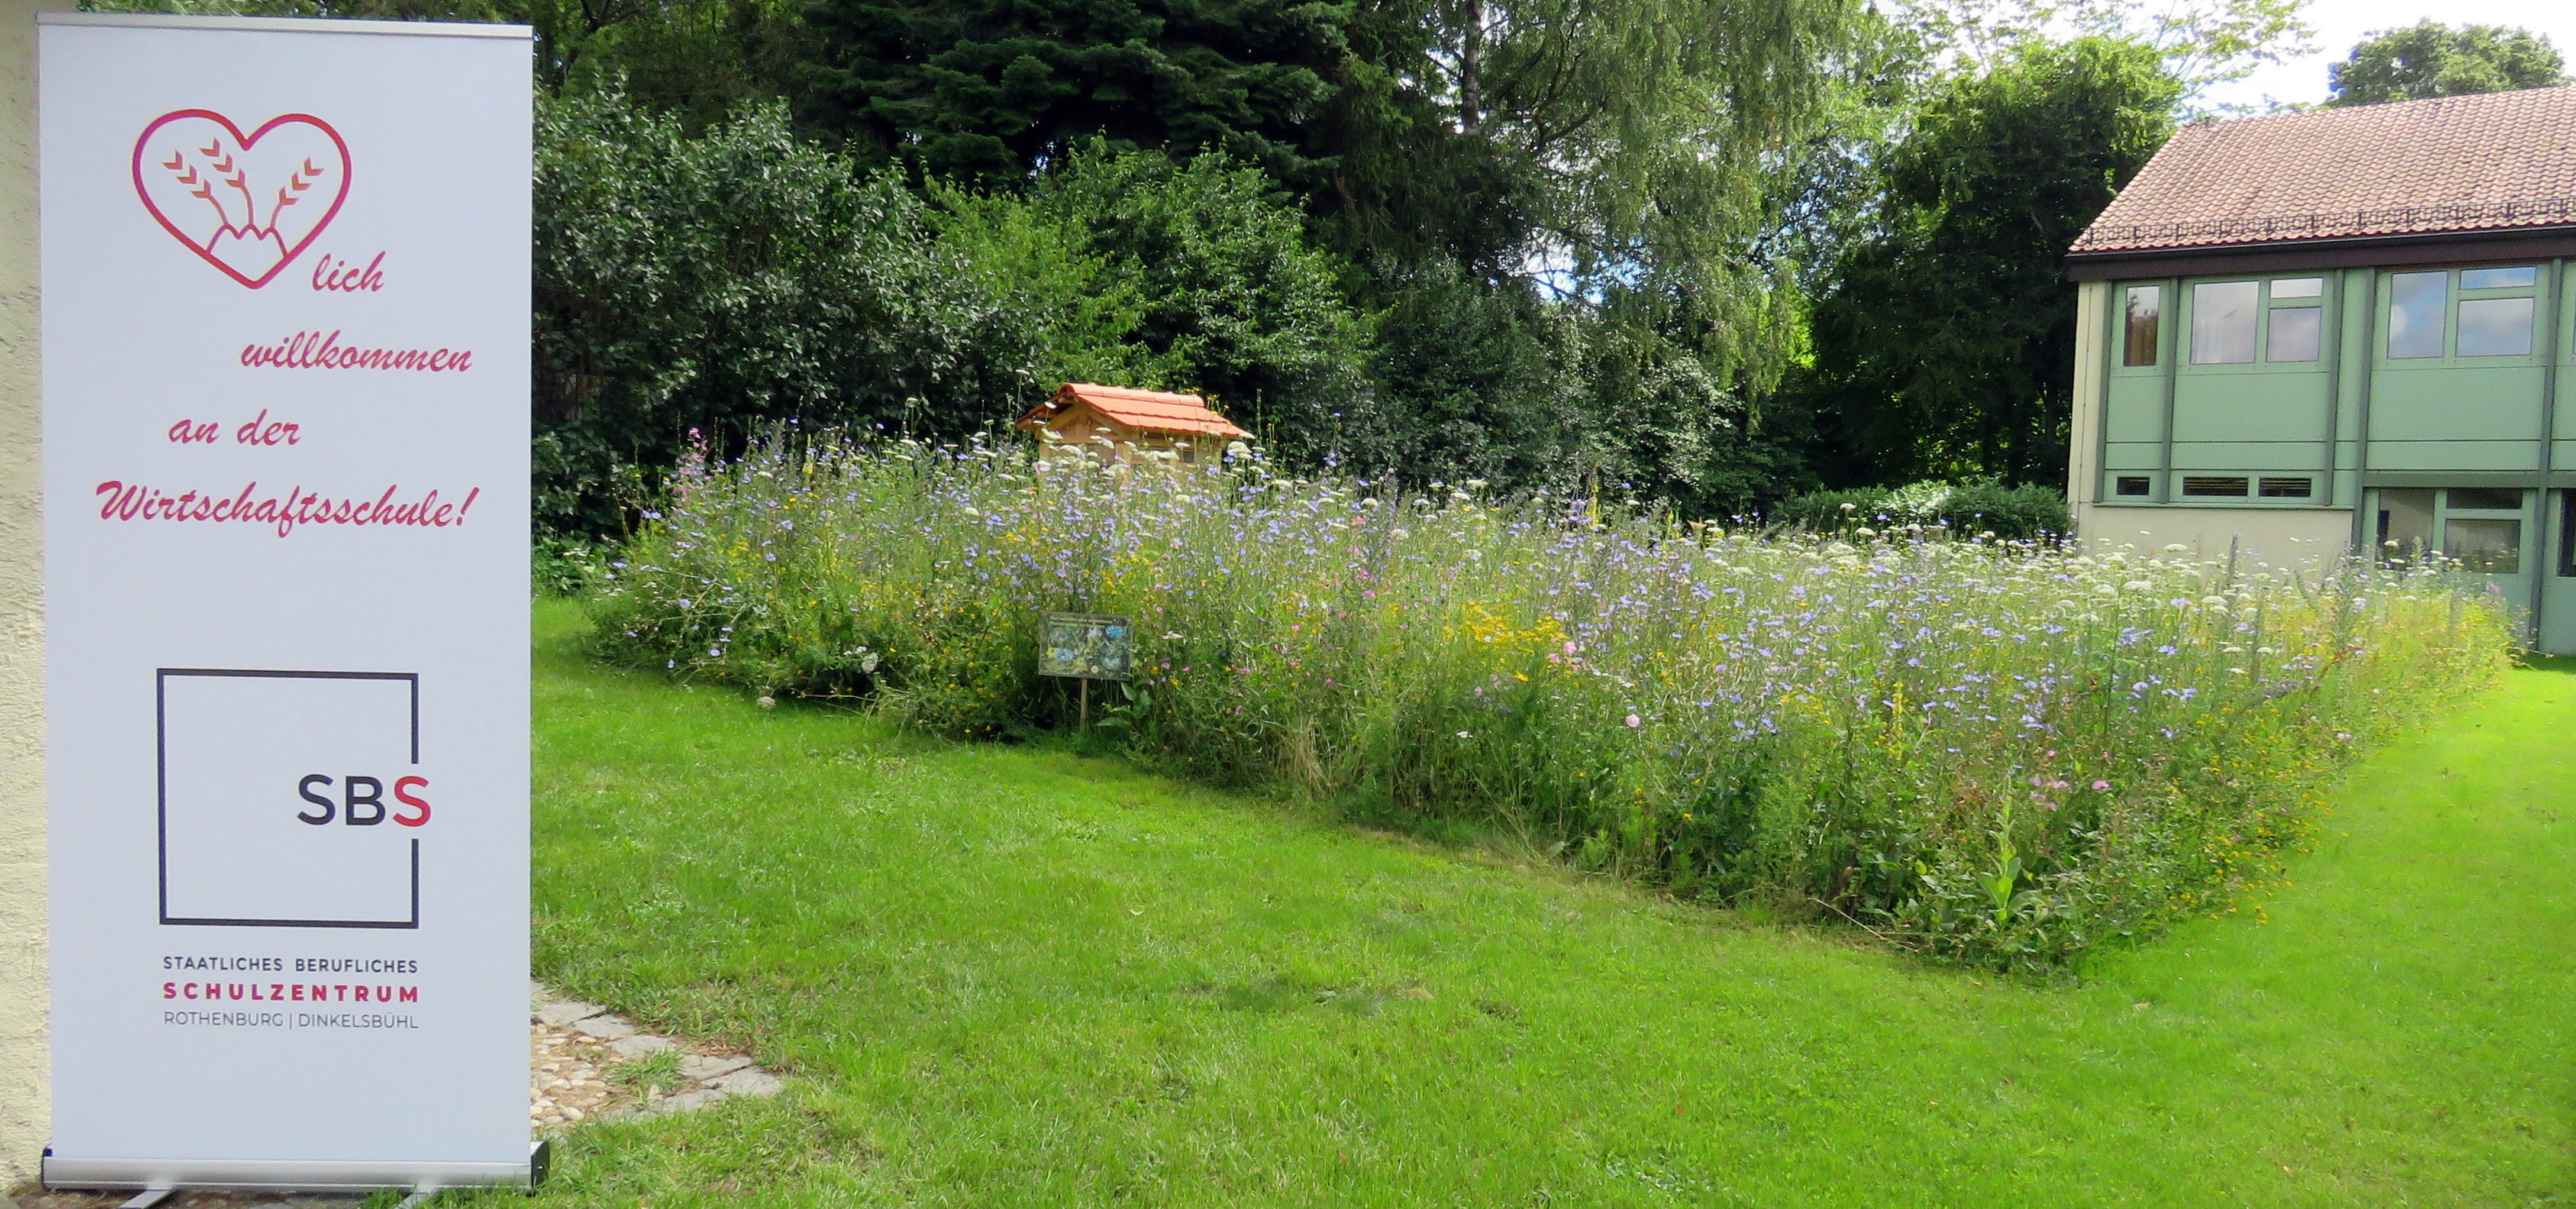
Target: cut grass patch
1014, 977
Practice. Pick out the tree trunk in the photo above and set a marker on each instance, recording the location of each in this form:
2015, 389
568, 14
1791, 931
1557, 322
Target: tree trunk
1471, 64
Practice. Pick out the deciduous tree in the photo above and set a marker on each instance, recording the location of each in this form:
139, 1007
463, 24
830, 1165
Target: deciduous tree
2428, 59
1944, 344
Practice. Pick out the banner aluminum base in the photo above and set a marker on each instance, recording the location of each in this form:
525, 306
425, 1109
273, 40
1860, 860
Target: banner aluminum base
253, 1175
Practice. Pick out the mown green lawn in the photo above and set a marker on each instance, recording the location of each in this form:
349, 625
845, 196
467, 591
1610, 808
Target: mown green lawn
1012, 977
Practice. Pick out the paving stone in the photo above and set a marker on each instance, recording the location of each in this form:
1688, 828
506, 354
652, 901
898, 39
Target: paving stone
565, 1012
641, 1045
566, 1040
751, 1082
606, 1028
687, 1101
698, 1069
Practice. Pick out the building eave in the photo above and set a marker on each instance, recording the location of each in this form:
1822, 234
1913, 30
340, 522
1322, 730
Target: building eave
2337, 252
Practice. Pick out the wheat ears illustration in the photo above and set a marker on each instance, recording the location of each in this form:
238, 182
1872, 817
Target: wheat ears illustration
222, 171
301, 180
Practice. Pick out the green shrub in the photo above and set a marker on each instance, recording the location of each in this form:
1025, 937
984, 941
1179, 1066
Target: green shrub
2007, 513
1831, 511
2004, 751
2010, 513
564, 566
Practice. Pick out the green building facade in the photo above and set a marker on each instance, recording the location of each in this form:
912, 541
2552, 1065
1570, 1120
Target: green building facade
2306, 334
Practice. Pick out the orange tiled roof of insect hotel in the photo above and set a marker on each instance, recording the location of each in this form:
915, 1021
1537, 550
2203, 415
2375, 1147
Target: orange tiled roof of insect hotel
1150, 411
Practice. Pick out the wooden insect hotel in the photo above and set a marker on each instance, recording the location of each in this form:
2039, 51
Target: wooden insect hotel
1120, 424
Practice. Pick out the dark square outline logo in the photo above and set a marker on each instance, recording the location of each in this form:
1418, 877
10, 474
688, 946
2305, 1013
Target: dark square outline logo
161, 755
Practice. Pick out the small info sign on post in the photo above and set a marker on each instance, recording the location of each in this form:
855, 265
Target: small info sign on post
285, 317
1086, 647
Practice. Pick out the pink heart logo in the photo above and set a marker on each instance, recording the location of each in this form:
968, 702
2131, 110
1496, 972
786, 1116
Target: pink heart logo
248, 204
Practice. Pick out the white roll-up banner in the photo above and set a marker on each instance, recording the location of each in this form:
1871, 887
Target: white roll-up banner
285, 317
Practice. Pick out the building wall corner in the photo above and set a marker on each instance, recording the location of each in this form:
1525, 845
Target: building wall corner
2084, 427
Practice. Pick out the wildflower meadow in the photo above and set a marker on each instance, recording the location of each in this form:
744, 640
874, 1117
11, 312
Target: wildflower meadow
2007, 753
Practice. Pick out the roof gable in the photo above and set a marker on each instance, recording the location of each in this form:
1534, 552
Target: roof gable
2492, 162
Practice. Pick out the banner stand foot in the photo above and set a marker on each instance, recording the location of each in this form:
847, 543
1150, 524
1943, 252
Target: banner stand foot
150, 1197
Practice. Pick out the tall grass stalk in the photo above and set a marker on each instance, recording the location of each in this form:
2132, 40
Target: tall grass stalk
2003, 753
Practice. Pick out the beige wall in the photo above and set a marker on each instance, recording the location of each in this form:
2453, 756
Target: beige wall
2279, 536
23, 1060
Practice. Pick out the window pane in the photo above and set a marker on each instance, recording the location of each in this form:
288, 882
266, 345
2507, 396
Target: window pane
2136, 484
2294, 333
2567, 533
2492, 499
2405, 523
2498, 279
2222, 322
2214, 484
2415, 314
2495, 327
2146, 309
2299, 287
2487, 547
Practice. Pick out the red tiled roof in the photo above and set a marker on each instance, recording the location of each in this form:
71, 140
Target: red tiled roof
2497, 161
1151, 410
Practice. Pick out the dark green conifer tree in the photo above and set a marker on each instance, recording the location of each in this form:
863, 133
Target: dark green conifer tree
989, 92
